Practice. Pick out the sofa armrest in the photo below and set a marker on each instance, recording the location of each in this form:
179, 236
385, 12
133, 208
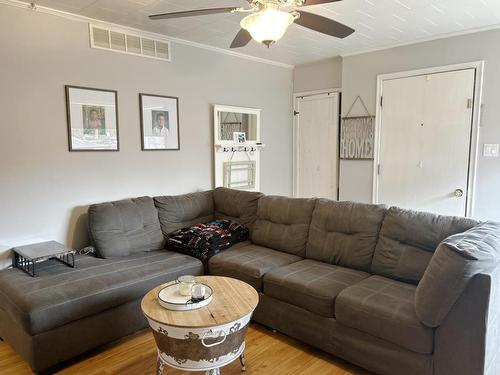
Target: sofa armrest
456, 262
468, 339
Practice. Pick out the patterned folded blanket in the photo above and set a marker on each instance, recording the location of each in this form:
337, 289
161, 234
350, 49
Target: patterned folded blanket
205, 240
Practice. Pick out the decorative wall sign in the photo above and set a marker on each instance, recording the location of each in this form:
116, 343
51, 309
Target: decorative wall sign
357, 135
159, 122
92, 119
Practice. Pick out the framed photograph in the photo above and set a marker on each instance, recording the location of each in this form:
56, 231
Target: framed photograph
159, 122
92, 119
239, 137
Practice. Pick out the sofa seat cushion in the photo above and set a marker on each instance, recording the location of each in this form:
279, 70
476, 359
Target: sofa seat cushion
311, 285
385, 308
60, 294
249, 263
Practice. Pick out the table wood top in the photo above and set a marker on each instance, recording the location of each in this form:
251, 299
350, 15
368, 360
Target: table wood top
232, 300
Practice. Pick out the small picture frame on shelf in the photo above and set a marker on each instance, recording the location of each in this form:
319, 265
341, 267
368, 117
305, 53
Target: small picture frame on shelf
92, 116
159, 122
239, 137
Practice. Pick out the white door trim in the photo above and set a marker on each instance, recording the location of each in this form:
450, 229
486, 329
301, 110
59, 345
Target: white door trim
476, 121
296, 96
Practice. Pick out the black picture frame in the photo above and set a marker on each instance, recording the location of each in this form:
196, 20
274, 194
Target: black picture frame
176, 136
71, 147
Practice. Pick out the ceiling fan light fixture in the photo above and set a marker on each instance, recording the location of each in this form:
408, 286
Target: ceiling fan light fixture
267, 26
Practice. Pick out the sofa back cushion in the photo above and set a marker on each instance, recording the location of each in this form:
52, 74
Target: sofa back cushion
236, 205
124, 227
283, 223
408, 240
179, 211
344, 233
457, 260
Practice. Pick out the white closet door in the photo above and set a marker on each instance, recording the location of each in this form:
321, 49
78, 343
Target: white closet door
425, 141
316, 146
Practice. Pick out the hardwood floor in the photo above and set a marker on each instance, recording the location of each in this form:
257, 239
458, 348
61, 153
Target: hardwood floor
267, 352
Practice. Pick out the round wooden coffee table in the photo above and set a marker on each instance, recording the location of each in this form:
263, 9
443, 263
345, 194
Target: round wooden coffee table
208, 338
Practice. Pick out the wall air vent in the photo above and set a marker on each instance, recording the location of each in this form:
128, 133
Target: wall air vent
126, 42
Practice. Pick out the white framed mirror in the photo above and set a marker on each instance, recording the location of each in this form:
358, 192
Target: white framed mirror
229, 120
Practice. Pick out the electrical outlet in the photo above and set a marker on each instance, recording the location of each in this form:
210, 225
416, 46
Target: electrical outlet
491, 150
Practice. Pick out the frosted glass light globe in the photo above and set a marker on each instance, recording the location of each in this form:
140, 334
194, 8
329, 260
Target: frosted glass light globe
267, 26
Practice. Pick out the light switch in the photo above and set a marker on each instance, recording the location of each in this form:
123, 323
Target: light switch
491, 150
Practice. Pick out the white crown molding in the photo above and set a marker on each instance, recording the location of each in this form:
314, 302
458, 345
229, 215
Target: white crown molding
76, 17
423, 40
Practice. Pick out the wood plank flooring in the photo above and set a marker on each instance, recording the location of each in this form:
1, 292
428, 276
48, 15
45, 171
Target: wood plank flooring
267, 352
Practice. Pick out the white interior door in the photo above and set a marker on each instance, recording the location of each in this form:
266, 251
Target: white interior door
316, 146
425, 140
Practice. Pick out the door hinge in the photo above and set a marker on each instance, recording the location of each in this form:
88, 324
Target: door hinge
381, 101
378, 169
469, 103
295, 113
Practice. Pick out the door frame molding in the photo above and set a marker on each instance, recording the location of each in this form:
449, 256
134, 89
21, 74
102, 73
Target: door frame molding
295, 154
476, 122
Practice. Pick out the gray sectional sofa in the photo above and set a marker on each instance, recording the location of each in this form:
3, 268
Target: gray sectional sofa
394, 291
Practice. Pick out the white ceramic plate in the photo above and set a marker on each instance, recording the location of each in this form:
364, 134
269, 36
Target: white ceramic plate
171, 299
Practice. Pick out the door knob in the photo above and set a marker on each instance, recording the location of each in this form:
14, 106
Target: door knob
459, 193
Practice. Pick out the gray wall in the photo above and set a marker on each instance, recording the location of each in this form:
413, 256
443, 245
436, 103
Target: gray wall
359, 77
326, 74
45, 189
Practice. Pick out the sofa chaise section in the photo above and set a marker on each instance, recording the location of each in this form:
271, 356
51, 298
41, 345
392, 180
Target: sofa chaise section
64, 311
61, 296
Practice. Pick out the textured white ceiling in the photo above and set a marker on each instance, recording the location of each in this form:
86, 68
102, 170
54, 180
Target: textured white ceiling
378, 23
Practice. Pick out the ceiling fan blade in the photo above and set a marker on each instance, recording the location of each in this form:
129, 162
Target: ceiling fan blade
315, 2
242, 39
323, 25
190, 13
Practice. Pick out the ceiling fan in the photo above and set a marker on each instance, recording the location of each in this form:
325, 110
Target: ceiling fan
268, 20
